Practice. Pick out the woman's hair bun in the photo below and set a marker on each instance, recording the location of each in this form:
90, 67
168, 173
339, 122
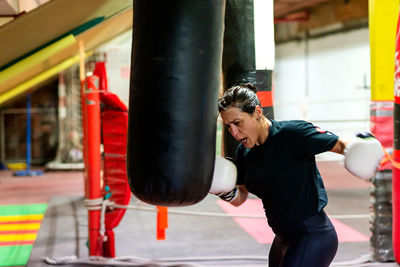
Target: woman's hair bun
251, 87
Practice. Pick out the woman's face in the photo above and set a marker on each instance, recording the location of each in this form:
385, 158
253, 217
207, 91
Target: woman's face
243, 126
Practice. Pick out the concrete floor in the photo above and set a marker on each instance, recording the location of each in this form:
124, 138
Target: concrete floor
190, 240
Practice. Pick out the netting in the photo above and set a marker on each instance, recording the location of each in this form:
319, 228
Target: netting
69, 152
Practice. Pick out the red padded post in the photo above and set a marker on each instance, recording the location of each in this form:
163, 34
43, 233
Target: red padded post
93, 160
396, 154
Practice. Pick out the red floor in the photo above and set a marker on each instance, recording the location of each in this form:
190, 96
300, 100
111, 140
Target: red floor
335, 176
39, 189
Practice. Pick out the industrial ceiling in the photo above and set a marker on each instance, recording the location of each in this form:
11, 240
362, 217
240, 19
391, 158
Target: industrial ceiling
25, 34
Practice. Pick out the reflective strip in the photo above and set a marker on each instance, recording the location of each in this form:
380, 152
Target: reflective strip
382, 113
114, 155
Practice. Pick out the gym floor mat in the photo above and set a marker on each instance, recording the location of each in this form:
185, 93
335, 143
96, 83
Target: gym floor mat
19, 225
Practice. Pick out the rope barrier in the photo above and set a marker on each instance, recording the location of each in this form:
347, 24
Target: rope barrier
103, 204
96, 205
102, 230
389, 157
184, 261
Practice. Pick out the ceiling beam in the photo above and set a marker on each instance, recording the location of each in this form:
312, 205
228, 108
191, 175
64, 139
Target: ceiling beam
50, 21
92, 38
9, 7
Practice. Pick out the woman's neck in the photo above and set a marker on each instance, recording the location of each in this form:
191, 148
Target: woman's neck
264, 125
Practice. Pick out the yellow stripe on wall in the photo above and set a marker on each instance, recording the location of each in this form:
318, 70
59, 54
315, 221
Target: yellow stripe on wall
19, 226
36, 58
17, 237
40, 78
16, 218
383, 17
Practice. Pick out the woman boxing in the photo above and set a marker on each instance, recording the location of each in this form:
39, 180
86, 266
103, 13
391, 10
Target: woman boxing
275, 161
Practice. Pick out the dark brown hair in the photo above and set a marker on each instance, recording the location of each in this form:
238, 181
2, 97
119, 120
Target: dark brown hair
243, 97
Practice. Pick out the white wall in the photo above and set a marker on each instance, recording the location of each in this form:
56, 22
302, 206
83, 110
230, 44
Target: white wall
118, 65
326, 84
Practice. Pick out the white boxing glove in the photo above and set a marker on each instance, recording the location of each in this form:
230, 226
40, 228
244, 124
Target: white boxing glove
224, 177
363, 156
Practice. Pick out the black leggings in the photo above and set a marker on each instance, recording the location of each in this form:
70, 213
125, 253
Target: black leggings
309, 243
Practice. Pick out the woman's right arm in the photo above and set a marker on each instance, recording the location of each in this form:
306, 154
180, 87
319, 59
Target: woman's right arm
241, 197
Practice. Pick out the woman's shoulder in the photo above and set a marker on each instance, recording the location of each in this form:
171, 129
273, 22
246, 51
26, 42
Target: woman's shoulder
290, 123
289, 126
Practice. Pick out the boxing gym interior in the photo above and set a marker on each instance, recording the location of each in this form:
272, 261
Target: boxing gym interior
109, 125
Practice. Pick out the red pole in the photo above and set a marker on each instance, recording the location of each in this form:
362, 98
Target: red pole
396, 153
93, 160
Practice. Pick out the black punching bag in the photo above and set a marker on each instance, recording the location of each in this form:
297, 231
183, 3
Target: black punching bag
239, 59
175, 76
